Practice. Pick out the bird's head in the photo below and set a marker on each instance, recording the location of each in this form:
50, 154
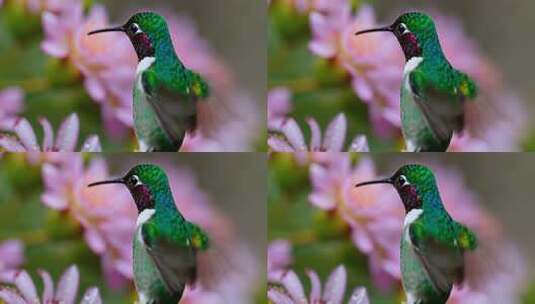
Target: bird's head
145, 30
411, 182
143, 182
413, 31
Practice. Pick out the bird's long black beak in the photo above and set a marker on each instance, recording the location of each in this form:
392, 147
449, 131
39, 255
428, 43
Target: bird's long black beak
380, 181
111, 29
111, 181
380, 29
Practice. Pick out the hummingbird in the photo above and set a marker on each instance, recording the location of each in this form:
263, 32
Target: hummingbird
433, 92
165, 244
165, 91
433, 244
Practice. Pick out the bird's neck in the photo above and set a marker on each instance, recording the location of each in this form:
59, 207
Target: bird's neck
165, 204
424, 45
165, 55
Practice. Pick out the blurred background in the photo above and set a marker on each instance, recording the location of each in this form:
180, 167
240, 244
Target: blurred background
49, 219
51, 68
325, 71
318, 220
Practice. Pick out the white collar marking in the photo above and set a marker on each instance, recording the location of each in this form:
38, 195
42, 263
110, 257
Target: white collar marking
412, 216
412, 64
144, 64
144, 216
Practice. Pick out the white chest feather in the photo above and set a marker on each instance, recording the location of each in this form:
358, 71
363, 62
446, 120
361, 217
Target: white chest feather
142, 218
412, 216
412, 64
144, 64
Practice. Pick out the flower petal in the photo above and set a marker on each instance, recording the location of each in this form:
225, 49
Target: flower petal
10, 144
48, 135
315, 289
48, 287
335, 286
277, 144
11, 297
359, 144
359, 296
68, 134
91, 296
25, 285
294, 287
278, 297
26, 134
92, 144
335, 134
294, 135
315, 138
68, 286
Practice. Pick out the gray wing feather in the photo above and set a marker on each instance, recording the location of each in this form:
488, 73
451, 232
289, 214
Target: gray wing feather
177, 265
444, 264
177, 113
444, 112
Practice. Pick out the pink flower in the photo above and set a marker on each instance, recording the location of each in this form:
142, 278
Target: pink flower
65, 141
333, 141
11, 104
107, 62
279, 257
305, 6
374, 214
107, 215
375, 62
65, 293
333, 292
11, 257
278, 106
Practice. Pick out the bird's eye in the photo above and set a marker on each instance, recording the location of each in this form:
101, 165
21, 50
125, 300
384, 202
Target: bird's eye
134, 28
402, 181
402, 29
134, 180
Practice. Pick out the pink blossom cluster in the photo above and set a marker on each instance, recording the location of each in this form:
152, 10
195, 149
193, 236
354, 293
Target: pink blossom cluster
65, 292
12, 257
292, 291
11, 104
107, 216
65, 141
287, 136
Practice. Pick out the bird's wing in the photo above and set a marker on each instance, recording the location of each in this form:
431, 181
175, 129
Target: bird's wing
442, 106
173, 256
441, 258
175, 105
212, 264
